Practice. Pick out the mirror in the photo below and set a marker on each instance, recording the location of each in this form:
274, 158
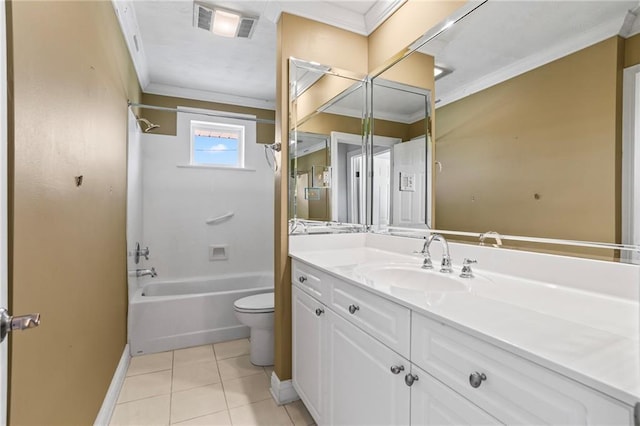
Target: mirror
528, 122
327, 185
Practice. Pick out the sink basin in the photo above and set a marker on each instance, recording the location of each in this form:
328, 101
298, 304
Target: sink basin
410, 277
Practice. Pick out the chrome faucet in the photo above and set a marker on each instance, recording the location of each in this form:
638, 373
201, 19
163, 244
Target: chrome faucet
445, 266
466, 268
144, 272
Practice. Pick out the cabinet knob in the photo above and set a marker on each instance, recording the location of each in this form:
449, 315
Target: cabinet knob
476, 379
353, 309
396, 369
302, 279
410, 378
319, 311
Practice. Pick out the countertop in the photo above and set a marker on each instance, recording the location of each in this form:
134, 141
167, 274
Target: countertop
590, 337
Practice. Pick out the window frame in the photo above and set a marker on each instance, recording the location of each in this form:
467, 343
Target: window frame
211, 125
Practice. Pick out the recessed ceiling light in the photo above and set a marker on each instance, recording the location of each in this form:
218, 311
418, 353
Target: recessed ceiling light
225, 23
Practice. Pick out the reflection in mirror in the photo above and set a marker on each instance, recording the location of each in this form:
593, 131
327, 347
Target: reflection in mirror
401, 145
326, 149
529, 121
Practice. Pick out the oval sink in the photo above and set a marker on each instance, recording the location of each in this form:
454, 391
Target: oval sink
411, 277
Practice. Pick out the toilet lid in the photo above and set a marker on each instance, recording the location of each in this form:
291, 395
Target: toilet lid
262, 302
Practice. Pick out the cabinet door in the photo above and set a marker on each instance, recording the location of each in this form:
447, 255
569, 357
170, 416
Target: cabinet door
433, 403
307, 337
360, 387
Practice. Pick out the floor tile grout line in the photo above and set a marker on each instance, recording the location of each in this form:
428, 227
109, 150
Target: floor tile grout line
197, 417
173, 361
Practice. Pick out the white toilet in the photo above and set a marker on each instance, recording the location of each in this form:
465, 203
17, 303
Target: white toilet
256, 312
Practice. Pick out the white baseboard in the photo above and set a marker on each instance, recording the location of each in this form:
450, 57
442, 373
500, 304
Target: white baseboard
282, 391
110, 400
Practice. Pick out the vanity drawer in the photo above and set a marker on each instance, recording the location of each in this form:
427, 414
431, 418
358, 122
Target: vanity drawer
311, 280
388, 322
512, 389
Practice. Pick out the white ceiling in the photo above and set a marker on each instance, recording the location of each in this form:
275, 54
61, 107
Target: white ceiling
174, 58
497, 41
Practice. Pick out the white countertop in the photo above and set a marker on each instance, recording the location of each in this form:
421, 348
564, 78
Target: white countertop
591, 337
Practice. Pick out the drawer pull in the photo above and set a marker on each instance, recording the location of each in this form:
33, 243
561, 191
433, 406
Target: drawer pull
319, 311
353, 309
410, 378
396, 369
302, 279
476, 379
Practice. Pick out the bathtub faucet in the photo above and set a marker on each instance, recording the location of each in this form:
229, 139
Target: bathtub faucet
144, 272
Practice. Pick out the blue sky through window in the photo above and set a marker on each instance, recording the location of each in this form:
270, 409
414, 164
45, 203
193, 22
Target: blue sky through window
212, 150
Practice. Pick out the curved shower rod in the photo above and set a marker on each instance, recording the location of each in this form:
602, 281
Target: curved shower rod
211, 114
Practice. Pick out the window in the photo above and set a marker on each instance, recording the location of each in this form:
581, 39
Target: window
217, 144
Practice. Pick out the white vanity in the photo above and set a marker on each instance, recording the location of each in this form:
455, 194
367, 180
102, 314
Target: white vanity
530, 339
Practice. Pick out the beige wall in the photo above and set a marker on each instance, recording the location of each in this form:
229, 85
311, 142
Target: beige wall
553, 131
632, 51
312, 41
167, 119
71, 78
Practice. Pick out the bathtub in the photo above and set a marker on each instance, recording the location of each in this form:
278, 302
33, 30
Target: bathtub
178, 314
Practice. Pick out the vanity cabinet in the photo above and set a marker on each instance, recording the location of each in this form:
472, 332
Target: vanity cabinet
362, 359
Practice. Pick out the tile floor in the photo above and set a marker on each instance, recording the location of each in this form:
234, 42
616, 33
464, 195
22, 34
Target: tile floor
204, 385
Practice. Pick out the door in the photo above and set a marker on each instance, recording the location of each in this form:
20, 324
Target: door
433, 403
365, 383
409, 183
307, 337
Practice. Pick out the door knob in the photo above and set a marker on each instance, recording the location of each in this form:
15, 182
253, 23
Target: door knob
22, 322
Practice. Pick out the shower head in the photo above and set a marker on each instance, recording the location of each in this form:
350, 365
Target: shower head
149, 125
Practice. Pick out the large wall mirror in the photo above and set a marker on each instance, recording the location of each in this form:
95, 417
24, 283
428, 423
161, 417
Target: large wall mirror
528, 119
327, 190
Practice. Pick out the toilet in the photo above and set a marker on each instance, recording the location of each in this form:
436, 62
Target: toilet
256, 312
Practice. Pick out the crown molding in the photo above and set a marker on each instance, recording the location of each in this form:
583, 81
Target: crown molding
126, 15
208, 96
595, 35
379, 13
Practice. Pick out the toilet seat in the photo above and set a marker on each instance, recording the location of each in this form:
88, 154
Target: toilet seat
256, 304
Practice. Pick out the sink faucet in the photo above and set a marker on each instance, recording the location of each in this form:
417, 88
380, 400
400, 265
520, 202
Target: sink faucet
445, 266
144, 272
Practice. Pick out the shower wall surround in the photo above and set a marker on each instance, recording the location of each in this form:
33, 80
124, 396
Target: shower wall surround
178, 200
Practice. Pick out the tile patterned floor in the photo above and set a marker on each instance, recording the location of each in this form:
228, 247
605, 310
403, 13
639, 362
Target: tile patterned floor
205, 385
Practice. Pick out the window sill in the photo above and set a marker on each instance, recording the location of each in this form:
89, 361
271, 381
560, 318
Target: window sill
202, 166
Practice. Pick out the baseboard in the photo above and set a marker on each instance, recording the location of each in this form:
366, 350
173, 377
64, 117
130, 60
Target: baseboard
282, 391
110, 400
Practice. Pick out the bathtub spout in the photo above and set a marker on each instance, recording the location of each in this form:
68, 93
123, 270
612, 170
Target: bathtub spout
144, 272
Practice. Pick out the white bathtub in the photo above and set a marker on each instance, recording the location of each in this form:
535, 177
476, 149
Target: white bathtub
172, 315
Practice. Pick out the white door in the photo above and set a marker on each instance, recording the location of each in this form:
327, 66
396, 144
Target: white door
433, 403
307, 337
361, 388
631, 162
381, 188
409, 183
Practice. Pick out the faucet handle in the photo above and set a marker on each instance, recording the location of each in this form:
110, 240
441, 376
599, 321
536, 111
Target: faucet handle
466, 268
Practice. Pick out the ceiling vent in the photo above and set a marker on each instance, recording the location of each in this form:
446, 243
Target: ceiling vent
225, 23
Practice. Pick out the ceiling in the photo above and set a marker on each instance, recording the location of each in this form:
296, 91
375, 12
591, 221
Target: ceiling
497, 41
174, 58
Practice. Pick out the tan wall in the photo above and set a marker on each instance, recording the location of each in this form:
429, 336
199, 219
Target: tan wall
554, 131
312, 41
322, 91
71, 80
632, 51
167, 119
405, 26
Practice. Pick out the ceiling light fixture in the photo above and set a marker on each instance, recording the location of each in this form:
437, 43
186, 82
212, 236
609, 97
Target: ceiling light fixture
439, 72
223, 22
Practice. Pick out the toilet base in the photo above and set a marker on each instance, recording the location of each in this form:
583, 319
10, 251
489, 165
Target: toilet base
261, 341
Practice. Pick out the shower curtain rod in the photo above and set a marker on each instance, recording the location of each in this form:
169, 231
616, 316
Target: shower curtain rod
211, 114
